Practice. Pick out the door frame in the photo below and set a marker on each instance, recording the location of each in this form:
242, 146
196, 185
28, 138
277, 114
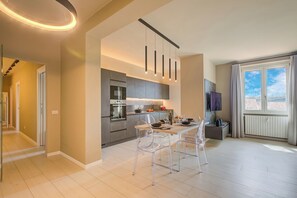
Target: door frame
5, 98
17, 105
10, 106
39, 110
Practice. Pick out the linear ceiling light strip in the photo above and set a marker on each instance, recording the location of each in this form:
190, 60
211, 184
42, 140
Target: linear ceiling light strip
11, 66
36, 24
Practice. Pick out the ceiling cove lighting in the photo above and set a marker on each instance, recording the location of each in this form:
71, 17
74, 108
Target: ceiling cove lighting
155, 51
37, 24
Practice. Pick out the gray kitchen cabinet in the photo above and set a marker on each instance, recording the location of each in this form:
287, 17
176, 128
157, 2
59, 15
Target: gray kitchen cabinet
105, 93
165, 91
132, 121
139, 88
118, 135
131, 91
158, 91
149, 90
117, 76
105, 130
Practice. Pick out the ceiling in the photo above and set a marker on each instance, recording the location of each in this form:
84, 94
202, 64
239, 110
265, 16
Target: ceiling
224, 31
36, 45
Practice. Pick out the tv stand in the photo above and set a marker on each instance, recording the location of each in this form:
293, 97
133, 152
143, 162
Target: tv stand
214, 132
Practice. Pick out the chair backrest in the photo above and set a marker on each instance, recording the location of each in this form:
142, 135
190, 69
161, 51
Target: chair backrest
145, 136
201, 131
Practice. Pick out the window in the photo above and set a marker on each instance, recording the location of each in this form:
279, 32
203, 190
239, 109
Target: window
265, 87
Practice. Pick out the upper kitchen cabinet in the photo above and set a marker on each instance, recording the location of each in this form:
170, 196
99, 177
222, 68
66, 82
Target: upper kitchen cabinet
149, 90
158, 91
131, 92
105, 93
165, 91
117, 76
139, 86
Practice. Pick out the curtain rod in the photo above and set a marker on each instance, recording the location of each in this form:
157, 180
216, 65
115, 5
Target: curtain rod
265, 58
158, 32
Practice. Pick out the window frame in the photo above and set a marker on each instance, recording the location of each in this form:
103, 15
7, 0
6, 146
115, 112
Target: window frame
263, 67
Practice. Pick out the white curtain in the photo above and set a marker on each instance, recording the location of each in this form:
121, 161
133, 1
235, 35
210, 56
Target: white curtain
236, 102
292, 125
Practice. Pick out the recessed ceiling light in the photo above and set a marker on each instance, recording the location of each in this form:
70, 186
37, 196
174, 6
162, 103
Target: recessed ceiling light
70, 25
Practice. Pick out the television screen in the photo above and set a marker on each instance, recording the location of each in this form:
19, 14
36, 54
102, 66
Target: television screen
215, 101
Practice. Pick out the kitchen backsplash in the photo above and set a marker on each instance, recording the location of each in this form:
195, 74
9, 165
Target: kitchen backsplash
143, 105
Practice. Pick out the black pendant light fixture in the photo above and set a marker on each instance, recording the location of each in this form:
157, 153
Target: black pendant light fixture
145, 53
155, 52
155, 58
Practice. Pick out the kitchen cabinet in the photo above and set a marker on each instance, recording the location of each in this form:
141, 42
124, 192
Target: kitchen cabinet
149, 90
158, 91
118, 135
132, 121
131, 91
117, 76
165, 91
105, 130
105, 93
139, 88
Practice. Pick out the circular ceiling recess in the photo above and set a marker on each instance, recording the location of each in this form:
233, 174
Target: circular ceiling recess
54, 15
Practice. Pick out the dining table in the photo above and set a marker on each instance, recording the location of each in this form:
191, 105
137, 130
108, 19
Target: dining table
175, 129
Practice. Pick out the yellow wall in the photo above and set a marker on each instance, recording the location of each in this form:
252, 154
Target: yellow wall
192, 86
223, 78
25, 73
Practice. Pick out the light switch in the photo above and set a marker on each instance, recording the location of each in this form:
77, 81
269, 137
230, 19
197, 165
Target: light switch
55, 112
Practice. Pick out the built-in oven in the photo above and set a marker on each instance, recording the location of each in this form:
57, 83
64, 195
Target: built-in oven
117, 110
117, 90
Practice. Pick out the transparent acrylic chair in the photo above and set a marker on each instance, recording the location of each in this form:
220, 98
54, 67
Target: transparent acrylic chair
198, 140
148, 142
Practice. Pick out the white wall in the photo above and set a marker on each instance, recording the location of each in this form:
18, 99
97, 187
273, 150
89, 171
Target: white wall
138, 72
209, 69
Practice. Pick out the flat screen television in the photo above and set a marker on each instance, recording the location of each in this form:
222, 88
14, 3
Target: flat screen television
215, 101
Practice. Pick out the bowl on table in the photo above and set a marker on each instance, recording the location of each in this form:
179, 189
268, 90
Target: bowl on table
157, 124
185, 122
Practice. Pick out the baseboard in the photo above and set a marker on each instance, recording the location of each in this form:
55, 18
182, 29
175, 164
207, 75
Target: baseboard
10, 132
28, 138
53, 153
11, 159
84, 166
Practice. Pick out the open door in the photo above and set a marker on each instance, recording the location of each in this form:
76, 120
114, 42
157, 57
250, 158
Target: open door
1, 135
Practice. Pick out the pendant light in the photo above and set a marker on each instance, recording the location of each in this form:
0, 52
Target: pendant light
169, 64
145, 52
175, 68
155, 58
155, 51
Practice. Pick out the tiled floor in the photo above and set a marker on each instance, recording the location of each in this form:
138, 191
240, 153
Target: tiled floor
237, 168
15, 141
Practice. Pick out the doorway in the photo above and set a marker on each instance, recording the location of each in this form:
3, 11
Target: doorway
41, 106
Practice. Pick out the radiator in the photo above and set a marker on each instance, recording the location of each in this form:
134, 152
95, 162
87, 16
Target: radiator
268, 126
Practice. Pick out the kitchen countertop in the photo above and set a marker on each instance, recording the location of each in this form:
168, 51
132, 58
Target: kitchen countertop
145, 112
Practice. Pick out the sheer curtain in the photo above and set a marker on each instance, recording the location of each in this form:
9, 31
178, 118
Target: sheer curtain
292, 125
236, 103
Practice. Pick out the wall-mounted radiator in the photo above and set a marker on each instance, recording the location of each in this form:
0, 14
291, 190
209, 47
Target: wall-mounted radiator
268, 126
